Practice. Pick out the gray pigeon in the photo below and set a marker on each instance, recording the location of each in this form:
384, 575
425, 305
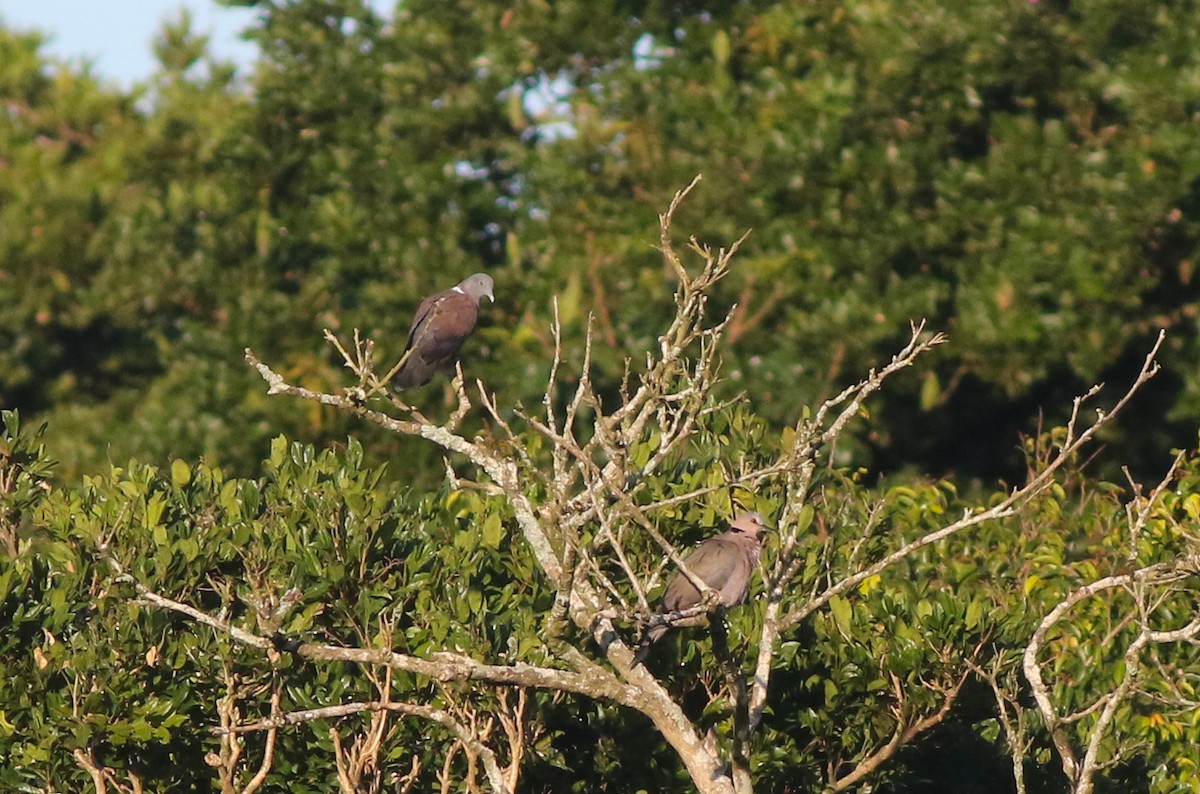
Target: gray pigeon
442, 323
724, 562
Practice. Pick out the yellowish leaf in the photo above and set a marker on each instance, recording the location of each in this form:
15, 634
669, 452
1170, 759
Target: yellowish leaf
869, 584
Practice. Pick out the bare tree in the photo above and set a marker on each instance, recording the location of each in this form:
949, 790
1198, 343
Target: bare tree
1137, 604
586, 515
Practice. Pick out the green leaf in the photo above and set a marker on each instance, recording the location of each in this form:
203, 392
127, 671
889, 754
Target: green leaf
804, 518
974, 614
154, 510
842, 613
181, 473
831, 691
493, 531
931, 391
721, 47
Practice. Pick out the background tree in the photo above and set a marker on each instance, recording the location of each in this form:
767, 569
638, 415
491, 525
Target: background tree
1020, 175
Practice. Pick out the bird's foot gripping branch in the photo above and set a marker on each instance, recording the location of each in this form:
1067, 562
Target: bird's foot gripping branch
565, 522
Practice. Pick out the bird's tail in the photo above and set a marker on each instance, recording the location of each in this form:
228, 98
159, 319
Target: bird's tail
414, 373
653, 635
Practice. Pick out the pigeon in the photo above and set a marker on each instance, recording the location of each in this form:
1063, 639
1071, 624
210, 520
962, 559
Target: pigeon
443, 322
724, 562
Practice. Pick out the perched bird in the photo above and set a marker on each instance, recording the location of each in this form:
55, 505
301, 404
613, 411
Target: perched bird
724, 562
443, 322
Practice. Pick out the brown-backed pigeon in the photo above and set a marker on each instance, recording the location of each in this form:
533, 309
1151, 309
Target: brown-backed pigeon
725, 563
443, 322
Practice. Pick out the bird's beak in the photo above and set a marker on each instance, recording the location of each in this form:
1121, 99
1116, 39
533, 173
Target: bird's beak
490, 296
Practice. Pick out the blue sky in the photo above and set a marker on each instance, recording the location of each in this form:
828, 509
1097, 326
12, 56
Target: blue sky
117, 34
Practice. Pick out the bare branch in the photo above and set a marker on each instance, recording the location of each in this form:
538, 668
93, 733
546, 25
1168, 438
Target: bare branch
443, 666
906, 731
1010, 714
269, 753
1002, 509
583, 506
1149, 585
502, 470
93, 769
735, 686
1080, 771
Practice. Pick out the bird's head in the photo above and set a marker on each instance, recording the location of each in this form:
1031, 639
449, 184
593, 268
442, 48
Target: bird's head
478, 286
751, 523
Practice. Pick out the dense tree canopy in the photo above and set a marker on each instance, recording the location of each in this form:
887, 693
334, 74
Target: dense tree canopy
1022, 175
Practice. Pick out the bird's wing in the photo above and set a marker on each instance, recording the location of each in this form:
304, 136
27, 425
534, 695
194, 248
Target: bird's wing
421, 317
443, 321
713, 562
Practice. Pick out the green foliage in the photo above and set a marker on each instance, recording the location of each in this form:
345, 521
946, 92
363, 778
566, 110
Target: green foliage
89, 665
325, 547
24, 478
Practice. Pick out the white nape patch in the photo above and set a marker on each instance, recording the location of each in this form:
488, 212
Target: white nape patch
459, 290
